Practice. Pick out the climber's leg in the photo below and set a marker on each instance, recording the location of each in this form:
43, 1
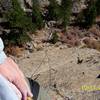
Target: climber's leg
6, 92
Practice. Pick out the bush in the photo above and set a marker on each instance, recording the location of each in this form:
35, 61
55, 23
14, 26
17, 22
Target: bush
15, 37
54, 38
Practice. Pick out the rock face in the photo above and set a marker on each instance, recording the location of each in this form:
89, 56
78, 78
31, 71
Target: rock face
77, 5
5, 5
43, 2
26, 5
29, 2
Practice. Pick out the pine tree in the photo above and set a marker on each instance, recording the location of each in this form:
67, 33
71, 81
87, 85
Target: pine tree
37, 15
18, 20
98, 7
17, 17
91, 12
66, 10
54, 10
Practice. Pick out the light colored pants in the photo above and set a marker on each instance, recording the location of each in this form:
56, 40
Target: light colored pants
6, 92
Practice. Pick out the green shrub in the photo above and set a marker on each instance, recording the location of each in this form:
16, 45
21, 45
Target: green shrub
16, 37
54, 38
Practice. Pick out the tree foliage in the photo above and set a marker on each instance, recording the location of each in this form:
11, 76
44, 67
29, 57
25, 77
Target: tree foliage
17, 17
91, 13
98, 7
54, 10
66, 10
18, 20
86, 17
37, 15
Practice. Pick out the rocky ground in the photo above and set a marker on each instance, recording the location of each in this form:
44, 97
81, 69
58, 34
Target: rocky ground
63, 71
62, 68
66, 67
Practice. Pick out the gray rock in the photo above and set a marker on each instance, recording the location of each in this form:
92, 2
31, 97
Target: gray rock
29, 2
43, 3
2, 20
22, 4
58, 44
5, 5
78, 5
29, 46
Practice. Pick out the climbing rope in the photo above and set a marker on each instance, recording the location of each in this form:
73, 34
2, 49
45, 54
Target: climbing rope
39, 66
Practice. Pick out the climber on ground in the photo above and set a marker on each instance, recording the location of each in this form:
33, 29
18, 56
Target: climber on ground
11, 79
13, 84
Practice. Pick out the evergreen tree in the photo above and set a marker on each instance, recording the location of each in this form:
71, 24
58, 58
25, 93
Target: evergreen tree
90, 14
54, 9
18, 20
98, 7
17, 17
37, 15
66, 10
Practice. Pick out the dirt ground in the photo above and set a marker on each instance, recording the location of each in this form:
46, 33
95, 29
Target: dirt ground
63, 71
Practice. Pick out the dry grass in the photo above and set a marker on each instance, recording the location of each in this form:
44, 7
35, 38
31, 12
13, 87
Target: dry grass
14, 50
92, 43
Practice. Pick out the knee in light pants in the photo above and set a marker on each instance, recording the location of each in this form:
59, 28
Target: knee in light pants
6, 92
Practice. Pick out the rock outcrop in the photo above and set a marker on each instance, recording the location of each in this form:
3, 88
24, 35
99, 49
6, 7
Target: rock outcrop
5, 5
27, 4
